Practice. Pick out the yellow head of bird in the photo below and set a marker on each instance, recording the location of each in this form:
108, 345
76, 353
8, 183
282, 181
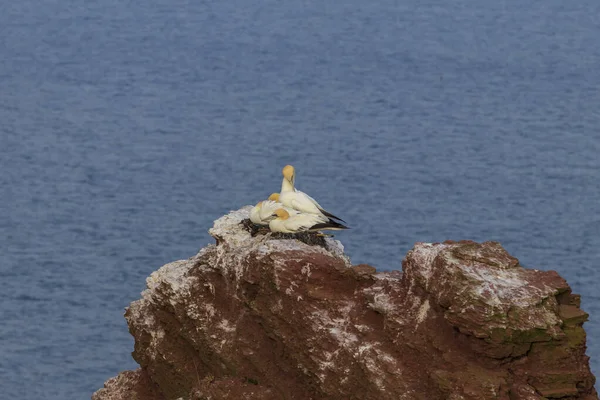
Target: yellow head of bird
274, 197
289, 173
281, 213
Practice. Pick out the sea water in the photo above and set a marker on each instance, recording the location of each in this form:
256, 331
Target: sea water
127, 127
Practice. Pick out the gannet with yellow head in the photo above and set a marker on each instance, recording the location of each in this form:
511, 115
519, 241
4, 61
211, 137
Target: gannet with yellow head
297, 200
289, 178
286, 223
262, 213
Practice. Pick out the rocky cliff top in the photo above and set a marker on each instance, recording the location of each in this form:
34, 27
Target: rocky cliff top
257, 316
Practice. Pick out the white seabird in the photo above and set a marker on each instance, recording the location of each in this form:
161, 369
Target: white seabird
262, 213
286, 223
297, 200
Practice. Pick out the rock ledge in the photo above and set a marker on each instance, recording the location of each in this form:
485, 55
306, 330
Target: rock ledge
253, 317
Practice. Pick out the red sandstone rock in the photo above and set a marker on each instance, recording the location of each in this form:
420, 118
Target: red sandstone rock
258, 318
131, 385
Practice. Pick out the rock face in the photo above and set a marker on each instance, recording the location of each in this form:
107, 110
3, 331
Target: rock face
254, 317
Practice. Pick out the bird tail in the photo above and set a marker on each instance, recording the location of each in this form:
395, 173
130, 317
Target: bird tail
331, 225
327, 214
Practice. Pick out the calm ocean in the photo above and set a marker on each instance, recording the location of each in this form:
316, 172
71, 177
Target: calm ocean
127, 127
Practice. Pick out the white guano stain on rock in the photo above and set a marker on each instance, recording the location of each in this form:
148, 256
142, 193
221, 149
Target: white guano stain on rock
226, 326
382, 303
422, 313
306, 270
473, 287
425, 254
378, 363
501, 286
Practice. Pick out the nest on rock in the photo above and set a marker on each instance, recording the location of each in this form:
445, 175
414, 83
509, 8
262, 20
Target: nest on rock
309, 238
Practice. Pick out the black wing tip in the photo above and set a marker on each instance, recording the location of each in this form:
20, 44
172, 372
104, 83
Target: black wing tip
330, 215
337, 224
329, 225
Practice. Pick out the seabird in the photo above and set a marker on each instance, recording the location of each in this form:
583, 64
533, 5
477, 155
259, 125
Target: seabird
262, 213
300, 222
297, 200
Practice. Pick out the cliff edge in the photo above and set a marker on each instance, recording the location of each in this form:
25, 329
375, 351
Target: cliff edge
261, 317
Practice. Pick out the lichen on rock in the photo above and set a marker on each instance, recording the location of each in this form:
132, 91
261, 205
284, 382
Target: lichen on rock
262, 316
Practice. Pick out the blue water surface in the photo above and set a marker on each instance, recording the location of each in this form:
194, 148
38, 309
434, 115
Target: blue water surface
127, 127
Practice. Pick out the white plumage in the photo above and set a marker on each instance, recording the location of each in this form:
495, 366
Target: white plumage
262, 213
300, 222
298, 200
